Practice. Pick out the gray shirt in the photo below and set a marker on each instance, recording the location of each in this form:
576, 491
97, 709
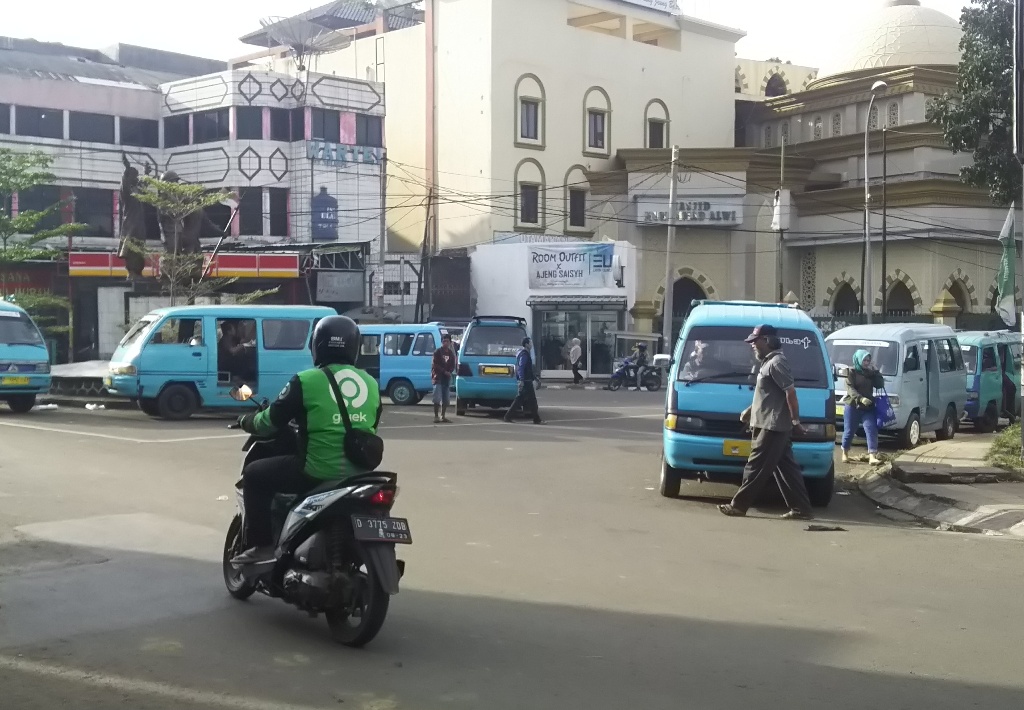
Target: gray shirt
770, 409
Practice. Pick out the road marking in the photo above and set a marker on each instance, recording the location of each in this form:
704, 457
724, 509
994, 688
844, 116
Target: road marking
129, 439
553, 423
122, 684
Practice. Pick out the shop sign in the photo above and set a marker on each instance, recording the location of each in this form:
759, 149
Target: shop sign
584, 265
530, 238
339, 287
340, 155
714, 211
225, 265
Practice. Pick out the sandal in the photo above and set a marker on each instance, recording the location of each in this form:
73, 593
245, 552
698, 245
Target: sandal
731, 511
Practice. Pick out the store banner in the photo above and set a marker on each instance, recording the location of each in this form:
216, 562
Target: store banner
584, 265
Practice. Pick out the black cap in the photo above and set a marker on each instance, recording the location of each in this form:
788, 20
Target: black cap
762, 331
526, 341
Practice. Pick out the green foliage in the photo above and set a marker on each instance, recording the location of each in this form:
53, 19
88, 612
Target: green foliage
178, 200
980, 119
50, 312
1005, 452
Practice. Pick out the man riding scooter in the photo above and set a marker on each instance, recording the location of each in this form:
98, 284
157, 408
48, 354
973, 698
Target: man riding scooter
309, 400
640, 363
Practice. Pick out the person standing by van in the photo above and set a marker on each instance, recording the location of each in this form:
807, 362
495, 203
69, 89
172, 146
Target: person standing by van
527, 396
773, 417
861, 381
441, 371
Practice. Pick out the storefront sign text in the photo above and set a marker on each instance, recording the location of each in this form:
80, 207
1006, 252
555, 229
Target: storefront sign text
586, 265
340, 155
713, 212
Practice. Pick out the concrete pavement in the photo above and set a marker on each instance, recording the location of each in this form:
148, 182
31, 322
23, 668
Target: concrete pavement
547, 573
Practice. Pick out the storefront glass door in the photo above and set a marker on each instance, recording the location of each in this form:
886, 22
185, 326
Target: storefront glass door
593, 328
601, 342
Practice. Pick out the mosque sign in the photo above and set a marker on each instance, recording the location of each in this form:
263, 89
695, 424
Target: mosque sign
692, 211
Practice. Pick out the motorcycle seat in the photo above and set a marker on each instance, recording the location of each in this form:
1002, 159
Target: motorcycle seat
359, 478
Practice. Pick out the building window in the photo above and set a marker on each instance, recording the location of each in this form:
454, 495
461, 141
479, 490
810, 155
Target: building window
39, 199
140, 132
529, 204
837, 124
577, 208
784, 132
894, 114
280, 125
5, 118
529, 119
326, 125
250, 211
298, 124
655, 133
776, 86
369, 130
175, 131
397, 288
210, 126
596, 137
249, 123
818, 128
39, 122
767, 136
278, 211
95, 208
873, 118
91, 127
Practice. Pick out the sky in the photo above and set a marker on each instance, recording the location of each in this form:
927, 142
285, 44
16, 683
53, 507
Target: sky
800, 31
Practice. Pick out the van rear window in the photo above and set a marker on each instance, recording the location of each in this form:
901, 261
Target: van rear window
718, 354
494, 340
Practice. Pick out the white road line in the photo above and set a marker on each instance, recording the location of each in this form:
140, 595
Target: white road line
121, 684
74, 432
552, 423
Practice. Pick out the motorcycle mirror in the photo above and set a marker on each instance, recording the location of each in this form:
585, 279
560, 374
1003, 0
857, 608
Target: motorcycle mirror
241, 394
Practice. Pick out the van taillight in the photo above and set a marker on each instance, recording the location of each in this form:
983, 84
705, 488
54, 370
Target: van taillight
464, 370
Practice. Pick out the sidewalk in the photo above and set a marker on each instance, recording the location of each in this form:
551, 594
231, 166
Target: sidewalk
948, 484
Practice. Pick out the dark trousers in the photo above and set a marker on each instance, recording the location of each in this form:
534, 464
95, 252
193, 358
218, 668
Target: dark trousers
771, 457
525, 400
261, 479
576, 376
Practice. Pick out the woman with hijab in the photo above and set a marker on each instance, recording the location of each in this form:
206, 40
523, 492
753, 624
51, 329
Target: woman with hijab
861, 381
575, 355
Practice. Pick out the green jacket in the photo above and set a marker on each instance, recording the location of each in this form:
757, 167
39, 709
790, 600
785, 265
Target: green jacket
309, 400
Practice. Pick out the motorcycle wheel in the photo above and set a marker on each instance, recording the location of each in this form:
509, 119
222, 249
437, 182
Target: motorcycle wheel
357, 623
653, 385
237, 585
614, 383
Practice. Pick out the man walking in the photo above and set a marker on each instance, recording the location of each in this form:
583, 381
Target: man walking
527, 396
441, 370
773, 417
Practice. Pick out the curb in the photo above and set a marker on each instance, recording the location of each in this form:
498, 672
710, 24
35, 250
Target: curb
82, 402
945, 514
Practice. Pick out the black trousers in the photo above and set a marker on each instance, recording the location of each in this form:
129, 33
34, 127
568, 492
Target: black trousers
771, 457
576, 376
525, 400
261, 479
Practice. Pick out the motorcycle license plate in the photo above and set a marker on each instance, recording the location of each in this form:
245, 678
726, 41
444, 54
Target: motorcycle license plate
368, 529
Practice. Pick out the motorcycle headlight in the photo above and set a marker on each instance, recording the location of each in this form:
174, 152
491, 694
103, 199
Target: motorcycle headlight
43, 367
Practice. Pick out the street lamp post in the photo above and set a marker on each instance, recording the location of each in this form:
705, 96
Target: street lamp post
868, 291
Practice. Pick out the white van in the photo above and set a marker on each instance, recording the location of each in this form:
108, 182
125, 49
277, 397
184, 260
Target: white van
923, 370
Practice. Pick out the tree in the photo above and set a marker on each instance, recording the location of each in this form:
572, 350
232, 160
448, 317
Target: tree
182, 207
21, 238
979, 119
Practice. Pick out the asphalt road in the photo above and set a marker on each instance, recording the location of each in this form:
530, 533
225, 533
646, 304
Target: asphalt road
546, 573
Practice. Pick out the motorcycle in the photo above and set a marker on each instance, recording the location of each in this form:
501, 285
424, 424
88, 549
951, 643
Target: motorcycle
335, 549
626, 375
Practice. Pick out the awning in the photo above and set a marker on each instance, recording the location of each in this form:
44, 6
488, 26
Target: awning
577, 300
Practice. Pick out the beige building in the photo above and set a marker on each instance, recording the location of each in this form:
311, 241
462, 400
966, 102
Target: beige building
940, 234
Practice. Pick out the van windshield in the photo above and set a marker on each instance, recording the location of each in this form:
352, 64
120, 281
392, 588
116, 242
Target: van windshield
718, 354
884, 353
137, 331
16, 328
494, 340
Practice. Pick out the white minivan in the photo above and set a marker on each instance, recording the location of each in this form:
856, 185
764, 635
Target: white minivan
923, 370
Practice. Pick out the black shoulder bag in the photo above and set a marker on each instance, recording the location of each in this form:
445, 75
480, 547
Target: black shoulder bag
363, 448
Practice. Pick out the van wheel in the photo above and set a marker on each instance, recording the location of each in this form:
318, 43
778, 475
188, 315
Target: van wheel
149, 407
948, 430
402, 393
911, 434
460, 406
989, 420
671, 480
819, 490
176, 403
21, 403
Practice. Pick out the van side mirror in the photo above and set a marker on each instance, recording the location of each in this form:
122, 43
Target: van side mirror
663, 361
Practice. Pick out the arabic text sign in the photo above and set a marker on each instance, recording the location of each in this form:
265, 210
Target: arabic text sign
586, 265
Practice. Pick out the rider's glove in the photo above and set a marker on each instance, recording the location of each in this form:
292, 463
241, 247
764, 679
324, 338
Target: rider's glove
246, 421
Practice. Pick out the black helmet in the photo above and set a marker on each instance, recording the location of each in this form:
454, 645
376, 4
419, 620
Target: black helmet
642, 346
335, 341
170, 176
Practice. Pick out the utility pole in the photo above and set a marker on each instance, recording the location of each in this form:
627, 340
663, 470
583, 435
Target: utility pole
673, 208
1018, 148
885, 227
780, 261
869, 293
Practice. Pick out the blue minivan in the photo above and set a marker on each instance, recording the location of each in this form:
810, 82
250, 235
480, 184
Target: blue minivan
486, 375
24, 359
711, 380
400, 358
177, 360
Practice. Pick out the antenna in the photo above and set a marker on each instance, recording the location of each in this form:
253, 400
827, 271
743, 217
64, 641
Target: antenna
305, 39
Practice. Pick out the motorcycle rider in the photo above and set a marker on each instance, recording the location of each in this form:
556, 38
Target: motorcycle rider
640, 364
307, 399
